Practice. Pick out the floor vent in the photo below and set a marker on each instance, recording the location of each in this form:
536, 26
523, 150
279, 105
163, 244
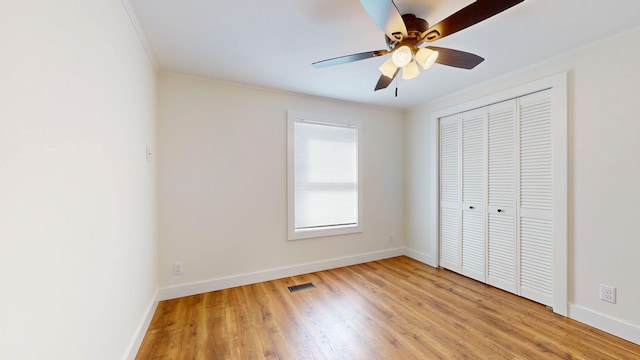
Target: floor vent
295, 288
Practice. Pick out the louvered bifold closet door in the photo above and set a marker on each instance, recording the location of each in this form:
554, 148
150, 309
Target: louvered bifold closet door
501, 215
450, 199
536, 191
473, 194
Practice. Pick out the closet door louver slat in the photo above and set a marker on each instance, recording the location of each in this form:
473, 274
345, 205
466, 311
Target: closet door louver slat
502, 252
450, 199
473, 184
473, 245
449, 239
536, 196
501, 173
473, 194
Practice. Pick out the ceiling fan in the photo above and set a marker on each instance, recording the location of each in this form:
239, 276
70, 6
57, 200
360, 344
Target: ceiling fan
406, 34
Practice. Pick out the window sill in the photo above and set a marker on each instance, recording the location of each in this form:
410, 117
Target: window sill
316, 233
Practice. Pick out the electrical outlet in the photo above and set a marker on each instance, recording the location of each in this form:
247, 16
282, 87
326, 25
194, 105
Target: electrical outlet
392, 238
608, 293
177, 268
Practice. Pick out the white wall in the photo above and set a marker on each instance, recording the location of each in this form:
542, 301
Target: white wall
222, 180
77, 198
604, 143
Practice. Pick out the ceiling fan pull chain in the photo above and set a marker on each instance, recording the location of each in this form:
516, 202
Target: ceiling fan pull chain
396, 87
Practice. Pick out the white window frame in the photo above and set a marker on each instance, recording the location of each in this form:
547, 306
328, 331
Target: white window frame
293, 234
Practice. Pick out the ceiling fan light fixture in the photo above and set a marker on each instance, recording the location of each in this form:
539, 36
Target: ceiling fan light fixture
426, 57
388, 68
410, 71
402, 56
406, 35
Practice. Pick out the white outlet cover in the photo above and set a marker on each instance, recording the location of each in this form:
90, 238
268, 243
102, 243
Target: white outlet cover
177, 268
608, 293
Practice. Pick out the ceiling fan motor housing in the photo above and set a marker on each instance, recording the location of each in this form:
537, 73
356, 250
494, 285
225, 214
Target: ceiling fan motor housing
415, 27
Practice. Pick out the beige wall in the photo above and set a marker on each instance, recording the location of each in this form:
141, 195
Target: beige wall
604, 143
223, 186
77, 198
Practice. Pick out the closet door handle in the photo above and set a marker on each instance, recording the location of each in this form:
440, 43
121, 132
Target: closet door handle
499, 210
471, 207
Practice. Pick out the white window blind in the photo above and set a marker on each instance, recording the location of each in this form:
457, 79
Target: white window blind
326, 175
324, 178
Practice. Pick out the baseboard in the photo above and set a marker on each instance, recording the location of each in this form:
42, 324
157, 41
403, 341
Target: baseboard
141, 330
613, 326
422, 257
200, 287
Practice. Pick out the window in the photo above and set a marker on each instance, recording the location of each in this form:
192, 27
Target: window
324, 181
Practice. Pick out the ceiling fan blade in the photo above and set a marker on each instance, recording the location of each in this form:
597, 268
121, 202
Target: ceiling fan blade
467, 16
349, 58
456, 58
384, 81
386, 15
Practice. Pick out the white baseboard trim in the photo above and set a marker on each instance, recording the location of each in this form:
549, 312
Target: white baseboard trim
141, 330
422, 257
613, 326
200, 287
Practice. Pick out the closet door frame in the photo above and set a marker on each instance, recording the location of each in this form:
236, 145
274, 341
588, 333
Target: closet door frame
558, 86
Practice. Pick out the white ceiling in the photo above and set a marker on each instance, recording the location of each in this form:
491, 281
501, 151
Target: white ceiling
273, 43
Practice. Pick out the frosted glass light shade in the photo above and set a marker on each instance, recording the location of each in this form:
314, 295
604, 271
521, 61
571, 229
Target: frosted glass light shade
426, 57
410, 71
388, 68
402, 56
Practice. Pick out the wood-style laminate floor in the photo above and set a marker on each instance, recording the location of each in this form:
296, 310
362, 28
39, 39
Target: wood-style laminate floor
391, 309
